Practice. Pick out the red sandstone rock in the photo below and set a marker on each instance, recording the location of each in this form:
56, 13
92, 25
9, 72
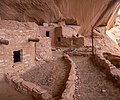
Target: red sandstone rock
72, 77
39, 90
46, 96
69, 92
19, 81
115, 72
28, 85
72, 70
55, 11
70, 84
15, 78
112, 67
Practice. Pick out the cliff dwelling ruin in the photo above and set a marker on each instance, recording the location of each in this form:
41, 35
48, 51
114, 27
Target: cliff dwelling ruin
60, 50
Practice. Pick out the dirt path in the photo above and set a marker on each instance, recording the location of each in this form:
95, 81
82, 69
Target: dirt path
8, 93
91, 83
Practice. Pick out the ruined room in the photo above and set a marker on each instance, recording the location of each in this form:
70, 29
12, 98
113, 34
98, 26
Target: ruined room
60, 50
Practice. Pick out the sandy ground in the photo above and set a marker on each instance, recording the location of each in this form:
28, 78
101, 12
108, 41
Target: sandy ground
51, 76
93, 84
8, 93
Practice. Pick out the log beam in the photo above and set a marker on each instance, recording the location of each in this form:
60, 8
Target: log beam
33, 39
5, 42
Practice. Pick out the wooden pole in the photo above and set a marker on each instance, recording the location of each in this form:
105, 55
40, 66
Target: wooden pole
33, 39
5, 42
92, 36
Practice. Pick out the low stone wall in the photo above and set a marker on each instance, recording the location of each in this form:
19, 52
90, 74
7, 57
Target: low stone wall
70, 84
83, 51
107, 67
66, 42
78, 41
27, 87
39, 93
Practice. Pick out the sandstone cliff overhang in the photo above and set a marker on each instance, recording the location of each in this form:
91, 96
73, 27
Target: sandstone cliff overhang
86, 13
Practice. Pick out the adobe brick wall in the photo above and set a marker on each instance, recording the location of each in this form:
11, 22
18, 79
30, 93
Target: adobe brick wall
64, 41
18, 40
17, 33
42, 33
43, 49
58, 33
66, 33
78, 41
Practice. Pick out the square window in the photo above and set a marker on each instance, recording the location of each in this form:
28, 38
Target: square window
47, 33
17, 56
59, 39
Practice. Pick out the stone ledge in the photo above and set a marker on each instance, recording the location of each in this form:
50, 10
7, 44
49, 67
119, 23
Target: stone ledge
70, 84
27, 87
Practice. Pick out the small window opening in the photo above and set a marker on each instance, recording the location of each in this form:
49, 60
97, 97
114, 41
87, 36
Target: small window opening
59, 39
17, 56
47, 33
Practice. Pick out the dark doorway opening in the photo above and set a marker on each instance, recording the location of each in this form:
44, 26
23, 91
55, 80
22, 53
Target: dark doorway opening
47, 33
59, 39
17, 56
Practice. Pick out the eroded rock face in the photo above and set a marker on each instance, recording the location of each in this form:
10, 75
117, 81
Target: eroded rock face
38, 11
80, 12
117, 23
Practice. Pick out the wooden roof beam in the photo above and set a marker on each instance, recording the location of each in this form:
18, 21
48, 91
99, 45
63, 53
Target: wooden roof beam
33, 40
3, 41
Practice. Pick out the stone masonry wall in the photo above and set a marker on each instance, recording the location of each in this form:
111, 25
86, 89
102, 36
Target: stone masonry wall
18, 40
38, 92
51, 30
58, 34
64, 41
66, 37
70, 84
43, 49
78, 41
27, 87
107, 67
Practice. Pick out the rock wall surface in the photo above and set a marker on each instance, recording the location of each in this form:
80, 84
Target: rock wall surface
85, 13
38, 11
43, 50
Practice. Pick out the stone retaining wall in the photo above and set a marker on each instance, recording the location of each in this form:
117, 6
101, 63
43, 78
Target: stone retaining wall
39, 93
27, 87
70, 84
107, 67
83, 51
